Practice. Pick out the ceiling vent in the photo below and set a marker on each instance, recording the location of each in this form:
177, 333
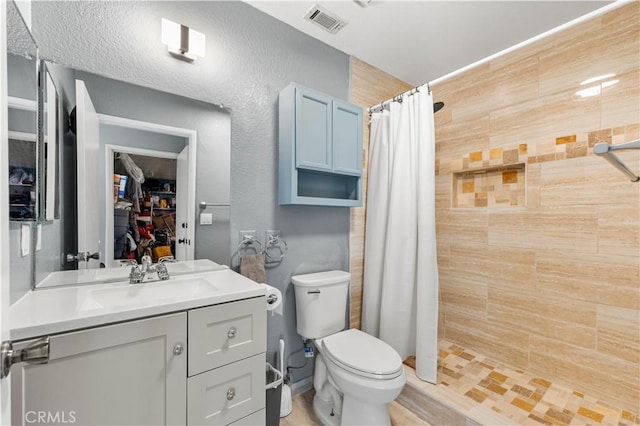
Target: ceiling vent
325, 19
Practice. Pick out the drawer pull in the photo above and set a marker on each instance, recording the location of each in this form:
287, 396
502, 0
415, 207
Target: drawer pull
232, 333
231, 393
177, 349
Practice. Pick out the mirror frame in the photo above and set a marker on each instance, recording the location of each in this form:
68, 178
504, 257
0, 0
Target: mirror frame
48, 143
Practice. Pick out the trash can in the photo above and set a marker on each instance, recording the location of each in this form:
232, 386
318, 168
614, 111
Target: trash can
274, 394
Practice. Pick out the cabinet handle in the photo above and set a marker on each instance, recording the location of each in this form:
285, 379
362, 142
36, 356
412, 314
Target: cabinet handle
231, 393
232, 333
36, 353
177, 349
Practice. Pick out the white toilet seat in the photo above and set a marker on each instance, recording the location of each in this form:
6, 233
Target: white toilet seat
362, 355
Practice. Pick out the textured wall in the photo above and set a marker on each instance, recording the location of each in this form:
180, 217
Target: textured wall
553, 286
369, 86
250, 57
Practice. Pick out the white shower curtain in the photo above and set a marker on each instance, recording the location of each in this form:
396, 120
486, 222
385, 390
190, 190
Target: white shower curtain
400, 300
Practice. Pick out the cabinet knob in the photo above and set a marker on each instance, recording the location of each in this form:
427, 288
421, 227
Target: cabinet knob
177, 349
231, 393
232, 333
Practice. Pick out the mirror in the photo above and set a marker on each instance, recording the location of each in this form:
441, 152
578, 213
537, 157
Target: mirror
134, 190
67, 161
22, 79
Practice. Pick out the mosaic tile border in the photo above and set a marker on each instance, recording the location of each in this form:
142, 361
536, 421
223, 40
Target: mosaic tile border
560, 148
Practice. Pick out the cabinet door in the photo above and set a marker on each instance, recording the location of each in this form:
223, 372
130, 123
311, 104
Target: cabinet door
347, 138
313, 130
124, 374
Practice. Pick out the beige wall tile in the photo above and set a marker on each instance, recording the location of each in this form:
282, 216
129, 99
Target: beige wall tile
619, 229
502, 343
619, 332
552, 318
598, 373
565, 228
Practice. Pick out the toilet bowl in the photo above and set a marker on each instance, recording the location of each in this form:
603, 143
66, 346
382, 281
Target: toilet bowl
367, 372
356, 375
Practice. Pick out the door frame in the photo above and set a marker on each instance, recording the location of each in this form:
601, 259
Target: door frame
189, 134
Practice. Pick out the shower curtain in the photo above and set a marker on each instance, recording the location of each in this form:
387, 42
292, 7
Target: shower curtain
400, 299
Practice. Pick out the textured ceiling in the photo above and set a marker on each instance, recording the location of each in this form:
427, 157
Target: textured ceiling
419, 41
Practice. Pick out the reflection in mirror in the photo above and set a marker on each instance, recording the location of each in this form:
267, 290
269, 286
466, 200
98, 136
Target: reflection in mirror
22, 74
147, 140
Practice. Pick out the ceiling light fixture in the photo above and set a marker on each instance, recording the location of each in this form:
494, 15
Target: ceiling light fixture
182, 42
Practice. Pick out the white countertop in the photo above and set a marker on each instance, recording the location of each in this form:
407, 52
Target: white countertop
105, 275
61, 309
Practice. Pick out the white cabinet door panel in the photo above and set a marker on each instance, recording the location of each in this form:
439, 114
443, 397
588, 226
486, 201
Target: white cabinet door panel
120, 374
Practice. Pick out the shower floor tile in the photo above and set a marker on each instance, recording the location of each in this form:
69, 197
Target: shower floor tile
522, 397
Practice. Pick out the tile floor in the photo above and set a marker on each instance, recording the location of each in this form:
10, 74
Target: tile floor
469, 381
520, 396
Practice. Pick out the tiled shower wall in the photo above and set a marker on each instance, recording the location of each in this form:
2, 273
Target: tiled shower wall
551, 286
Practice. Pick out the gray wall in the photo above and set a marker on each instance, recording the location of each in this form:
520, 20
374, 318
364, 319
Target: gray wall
250, 58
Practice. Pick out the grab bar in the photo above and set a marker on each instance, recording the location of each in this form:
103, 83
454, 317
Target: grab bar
604, 150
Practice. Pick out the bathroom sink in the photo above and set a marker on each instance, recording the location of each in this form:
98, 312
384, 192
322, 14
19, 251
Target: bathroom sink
115, 274
119, 296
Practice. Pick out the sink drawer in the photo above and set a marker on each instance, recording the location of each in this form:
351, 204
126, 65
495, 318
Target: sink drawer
228, 393
221, 334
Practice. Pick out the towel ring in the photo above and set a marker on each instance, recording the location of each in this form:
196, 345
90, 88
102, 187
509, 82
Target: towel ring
249, 243
274, 243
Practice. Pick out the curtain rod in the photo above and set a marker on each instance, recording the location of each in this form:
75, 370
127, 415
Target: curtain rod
604, 149
381, 105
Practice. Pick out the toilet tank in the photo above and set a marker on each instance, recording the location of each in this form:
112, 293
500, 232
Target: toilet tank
321, 303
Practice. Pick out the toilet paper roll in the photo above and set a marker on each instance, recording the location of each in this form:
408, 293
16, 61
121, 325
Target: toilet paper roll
274, 299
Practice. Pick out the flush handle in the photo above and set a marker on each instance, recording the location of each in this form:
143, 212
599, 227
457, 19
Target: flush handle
316, 291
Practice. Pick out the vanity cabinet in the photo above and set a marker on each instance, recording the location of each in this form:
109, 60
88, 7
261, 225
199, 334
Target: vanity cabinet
320, 149
128, 373
136, 372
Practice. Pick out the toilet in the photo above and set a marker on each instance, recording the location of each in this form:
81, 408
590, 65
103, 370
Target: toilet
356, 375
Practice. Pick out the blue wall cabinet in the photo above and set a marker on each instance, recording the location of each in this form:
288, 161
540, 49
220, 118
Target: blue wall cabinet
320, 158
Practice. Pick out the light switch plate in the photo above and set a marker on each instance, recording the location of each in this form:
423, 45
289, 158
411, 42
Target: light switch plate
25, 243
206, 219
39, 237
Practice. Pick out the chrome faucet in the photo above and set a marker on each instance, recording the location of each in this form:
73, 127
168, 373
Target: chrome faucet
138, 272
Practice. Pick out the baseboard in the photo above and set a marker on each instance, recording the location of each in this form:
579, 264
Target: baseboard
301, 386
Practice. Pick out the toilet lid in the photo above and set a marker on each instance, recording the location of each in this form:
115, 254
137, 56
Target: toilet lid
363, 354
